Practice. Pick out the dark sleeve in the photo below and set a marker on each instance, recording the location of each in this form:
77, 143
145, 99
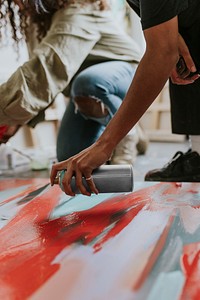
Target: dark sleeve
155, 12
134, 7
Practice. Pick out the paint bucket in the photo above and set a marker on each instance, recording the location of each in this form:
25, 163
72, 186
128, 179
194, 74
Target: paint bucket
107, 178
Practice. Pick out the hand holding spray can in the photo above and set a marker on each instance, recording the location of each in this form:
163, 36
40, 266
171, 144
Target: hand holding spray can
107, 178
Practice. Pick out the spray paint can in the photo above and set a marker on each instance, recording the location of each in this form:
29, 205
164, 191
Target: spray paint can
107, 178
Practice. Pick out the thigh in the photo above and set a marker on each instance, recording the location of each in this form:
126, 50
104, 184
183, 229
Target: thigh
185, 108
108, 82
185, 100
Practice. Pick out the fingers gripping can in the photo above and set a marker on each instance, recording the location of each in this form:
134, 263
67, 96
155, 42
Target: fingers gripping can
107, 178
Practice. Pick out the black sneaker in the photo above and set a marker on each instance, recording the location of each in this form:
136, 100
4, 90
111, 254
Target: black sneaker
184, 167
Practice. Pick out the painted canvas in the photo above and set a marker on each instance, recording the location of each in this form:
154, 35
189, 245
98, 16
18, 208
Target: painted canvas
139, 245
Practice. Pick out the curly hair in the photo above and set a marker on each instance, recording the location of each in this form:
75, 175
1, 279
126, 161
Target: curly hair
11, 17
17, 16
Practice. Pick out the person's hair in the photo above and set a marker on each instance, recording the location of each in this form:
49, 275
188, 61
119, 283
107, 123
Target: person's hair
39, 12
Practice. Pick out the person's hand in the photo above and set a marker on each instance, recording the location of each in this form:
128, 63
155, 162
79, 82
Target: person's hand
8, 132
182, 73
81, 165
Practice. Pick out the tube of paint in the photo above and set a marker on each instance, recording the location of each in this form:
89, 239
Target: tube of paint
107, 178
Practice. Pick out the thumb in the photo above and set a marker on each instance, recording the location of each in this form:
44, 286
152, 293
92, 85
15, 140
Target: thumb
189, 62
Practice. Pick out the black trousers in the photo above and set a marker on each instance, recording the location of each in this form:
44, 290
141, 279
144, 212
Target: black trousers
185, 99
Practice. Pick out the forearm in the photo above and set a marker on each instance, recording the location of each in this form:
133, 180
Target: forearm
160, 57
151, 76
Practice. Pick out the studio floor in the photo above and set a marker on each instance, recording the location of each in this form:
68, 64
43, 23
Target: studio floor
156, 156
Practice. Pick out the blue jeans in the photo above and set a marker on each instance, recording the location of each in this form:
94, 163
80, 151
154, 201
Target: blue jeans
107, 82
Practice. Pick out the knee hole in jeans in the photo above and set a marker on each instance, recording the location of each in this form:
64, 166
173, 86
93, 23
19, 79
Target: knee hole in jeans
90, 106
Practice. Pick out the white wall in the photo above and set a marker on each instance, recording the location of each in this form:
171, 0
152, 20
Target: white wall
9, 60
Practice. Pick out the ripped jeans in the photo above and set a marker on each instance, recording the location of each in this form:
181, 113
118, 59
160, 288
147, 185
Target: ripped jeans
106, 84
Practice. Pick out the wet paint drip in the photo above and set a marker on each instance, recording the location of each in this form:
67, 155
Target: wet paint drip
120, 239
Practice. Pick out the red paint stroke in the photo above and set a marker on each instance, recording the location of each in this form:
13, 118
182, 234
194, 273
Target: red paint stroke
120, 224
194, 188
21, 246
15, 183
10, 183
30, 241
190, 262
86, 226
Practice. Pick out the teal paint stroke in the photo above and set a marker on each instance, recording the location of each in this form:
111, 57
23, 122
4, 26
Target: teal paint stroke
5, 194
79, 203
167, 286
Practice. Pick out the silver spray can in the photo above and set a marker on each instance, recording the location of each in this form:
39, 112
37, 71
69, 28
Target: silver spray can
107, 178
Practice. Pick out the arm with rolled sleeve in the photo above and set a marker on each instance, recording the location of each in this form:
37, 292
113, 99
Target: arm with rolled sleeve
34, 85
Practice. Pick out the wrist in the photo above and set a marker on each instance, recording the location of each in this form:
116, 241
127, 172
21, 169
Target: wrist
106, 145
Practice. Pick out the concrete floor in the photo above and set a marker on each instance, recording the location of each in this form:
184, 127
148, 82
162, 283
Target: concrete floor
157, 155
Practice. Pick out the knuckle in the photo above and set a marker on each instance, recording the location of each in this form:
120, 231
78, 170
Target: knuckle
73, 160
79, 165
86, 169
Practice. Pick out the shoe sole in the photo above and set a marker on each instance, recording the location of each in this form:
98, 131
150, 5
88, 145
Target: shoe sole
183, 179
